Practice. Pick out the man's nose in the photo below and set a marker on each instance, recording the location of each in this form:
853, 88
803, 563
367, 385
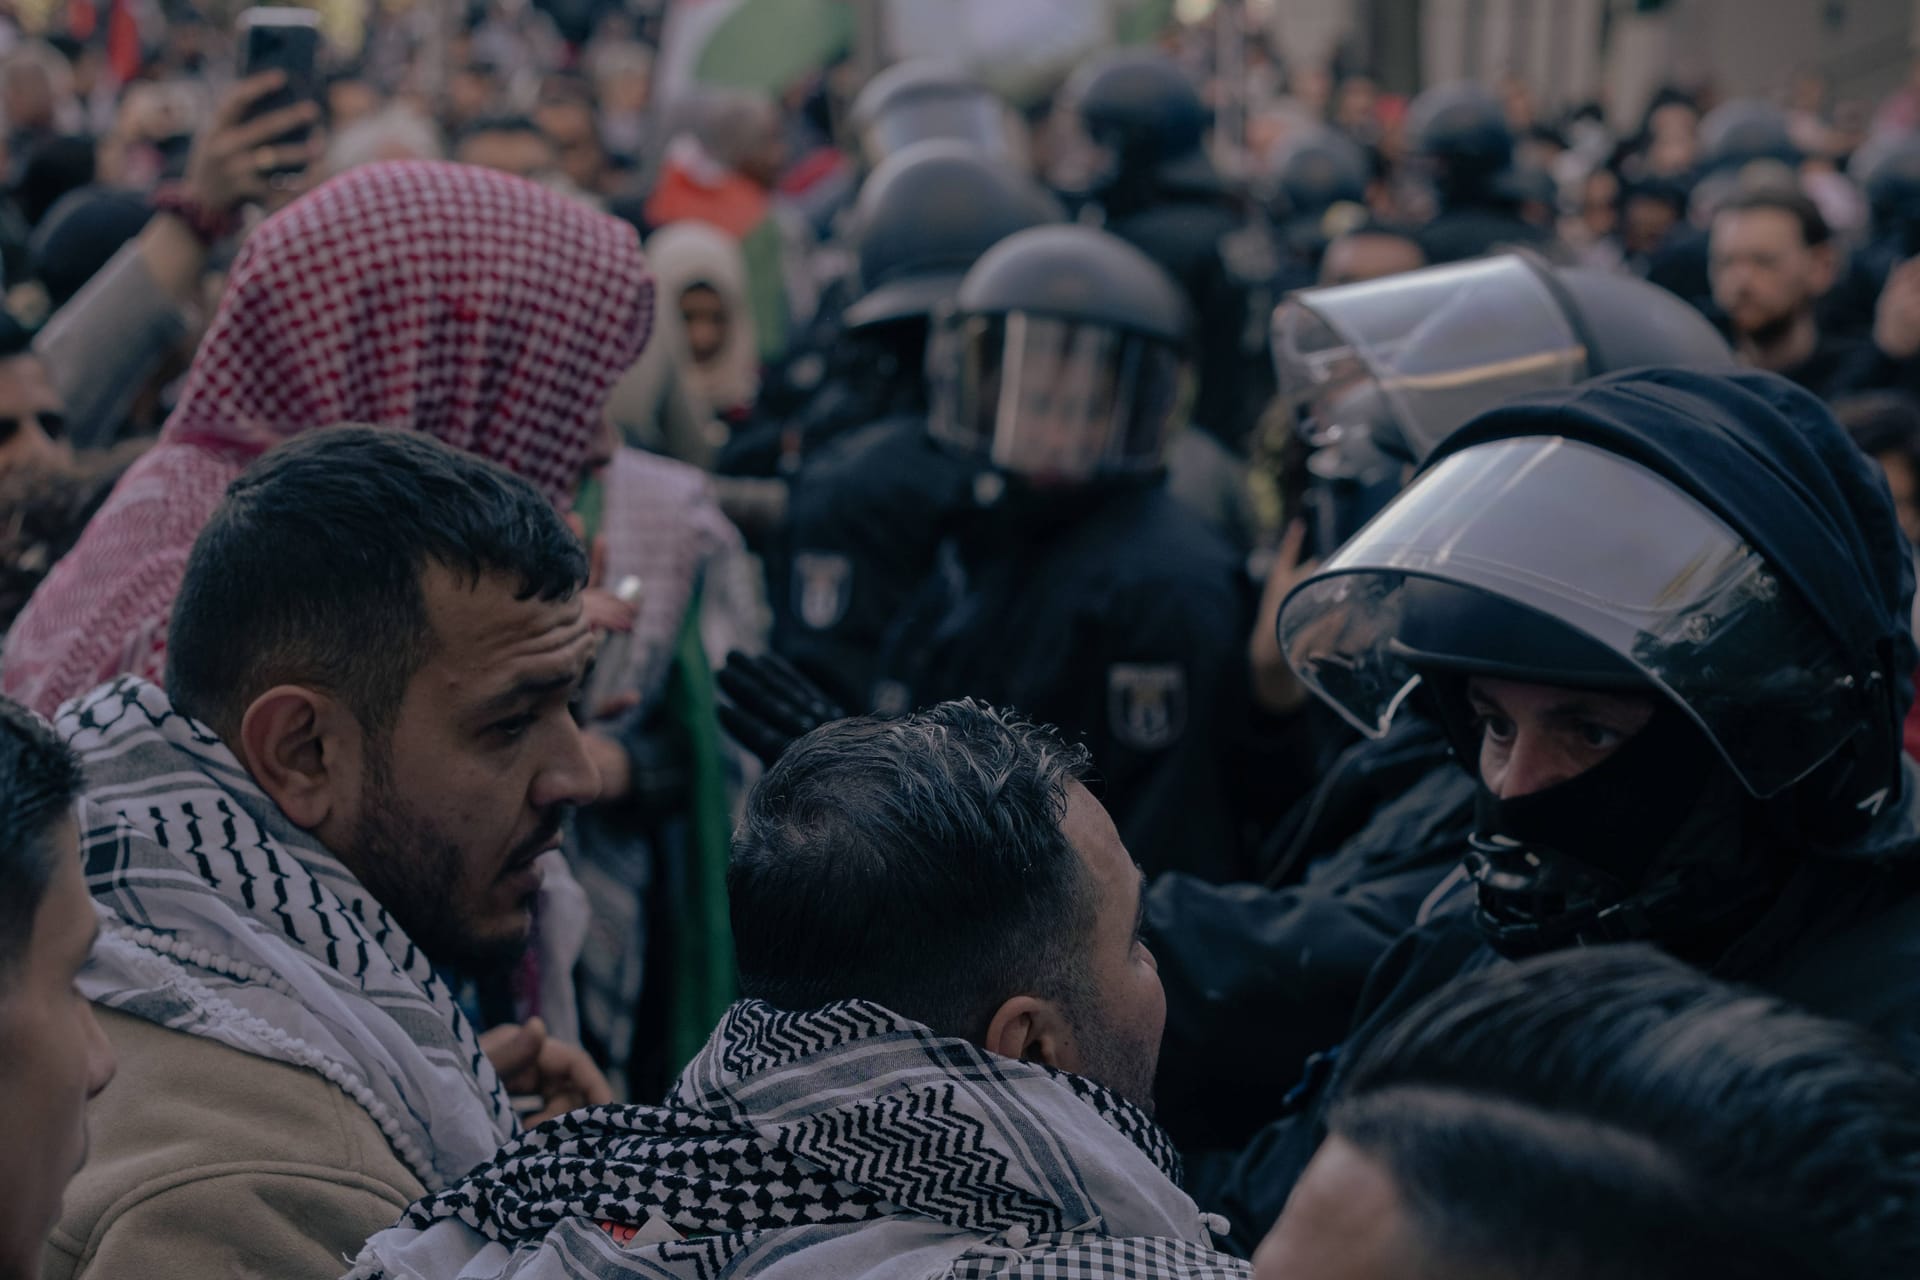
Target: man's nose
569, 777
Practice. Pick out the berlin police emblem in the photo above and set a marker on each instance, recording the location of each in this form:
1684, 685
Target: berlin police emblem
822, 587
1147, 704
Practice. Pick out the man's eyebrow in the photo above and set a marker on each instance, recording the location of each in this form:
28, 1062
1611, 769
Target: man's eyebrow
529, 689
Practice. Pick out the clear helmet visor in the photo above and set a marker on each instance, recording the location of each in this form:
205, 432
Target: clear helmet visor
1055, 401
977, 118
1409, 358
1606, 549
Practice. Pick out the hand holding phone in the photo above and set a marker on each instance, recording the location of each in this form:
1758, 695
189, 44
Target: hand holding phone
234, 157
286, 40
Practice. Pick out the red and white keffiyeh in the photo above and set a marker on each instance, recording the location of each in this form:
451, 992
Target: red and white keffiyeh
485, 310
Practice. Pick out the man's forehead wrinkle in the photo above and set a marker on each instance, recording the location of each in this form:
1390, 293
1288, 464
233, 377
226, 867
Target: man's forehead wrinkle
488, 639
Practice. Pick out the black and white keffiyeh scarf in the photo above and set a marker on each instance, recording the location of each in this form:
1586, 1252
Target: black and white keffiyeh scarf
222, 919
845, 1142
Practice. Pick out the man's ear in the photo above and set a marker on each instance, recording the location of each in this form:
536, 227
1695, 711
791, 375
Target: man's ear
1030, 1029
293, 742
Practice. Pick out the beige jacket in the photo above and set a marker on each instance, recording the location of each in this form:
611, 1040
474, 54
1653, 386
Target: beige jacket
207, 1162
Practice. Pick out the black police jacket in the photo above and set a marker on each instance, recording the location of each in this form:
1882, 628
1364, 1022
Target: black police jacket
1475, 231
1841, 939
865, 519
1122, 619
1259, 979
1196, 237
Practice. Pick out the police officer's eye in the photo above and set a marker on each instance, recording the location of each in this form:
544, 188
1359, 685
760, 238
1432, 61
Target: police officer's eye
1496, 727
1598, 737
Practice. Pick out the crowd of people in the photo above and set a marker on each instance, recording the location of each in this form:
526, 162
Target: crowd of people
869, 678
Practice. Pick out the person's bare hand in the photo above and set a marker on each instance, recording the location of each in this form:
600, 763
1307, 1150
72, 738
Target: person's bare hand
1896, 325
232, 157
1275, 687
557, 1076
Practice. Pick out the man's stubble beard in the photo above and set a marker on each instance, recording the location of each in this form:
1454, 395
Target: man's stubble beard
419, 877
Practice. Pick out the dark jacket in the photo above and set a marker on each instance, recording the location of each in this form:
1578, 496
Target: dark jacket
1260, 978
1199, 233
1473, 231
866, 518
1842, 940
1841, 366
1120, 618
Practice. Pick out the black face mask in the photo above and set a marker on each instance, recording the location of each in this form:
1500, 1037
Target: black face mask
1616, 817
1574, 862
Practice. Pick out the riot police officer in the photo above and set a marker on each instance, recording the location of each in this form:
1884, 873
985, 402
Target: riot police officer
1663, 618
1320, 191
1265, 973
1159, 192
1458, 134
868, 507
1086, 595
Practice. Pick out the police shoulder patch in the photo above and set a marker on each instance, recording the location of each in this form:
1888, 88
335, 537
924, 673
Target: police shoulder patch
822, 587
1147, 704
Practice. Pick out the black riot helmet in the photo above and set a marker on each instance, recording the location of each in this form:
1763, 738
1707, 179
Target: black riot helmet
1378, 373
920, 100
1736, 134
1141, 109
1061, 361
1460, 132
1710, 544
1316, 170
924, 217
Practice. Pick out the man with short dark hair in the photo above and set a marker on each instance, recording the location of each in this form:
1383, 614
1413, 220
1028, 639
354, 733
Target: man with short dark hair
1772, 259
1610, 1115
53, 1056
363, 751
942, 1067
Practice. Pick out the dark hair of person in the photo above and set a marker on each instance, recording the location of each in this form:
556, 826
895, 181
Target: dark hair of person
309, 572
1609, 1113
1814, 230
1667, 191
39, 778
917, 863
1883, 422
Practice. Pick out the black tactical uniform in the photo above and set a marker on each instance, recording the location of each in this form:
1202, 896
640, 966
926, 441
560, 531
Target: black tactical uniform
1260, 975
1086, 596
1763, 824
1162, 195
870, 504
1459, 133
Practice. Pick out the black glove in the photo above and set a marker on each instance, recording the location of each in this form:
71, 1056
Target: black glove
769, 704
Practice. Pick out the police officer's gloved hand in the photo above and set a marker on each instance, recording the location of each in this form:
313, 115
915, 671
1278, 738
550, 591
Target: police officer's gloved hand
769, 704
